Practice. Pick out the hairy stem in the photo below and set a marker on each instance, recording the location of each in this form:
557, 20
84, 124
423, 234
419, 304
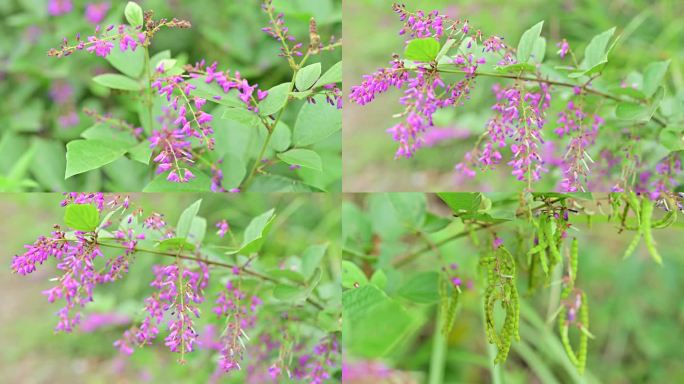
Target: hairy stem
208, 262
271, 129
438, 356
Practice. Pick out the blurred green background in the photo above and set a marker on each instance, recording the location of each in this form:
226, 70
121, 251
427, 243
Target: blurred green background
651, 31
33, 353
635, 306
44, 97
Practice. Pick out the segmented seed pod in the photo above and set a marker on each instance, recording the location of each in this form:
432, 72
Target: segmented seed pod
515, 300
553, 246
584, 336
667, 220
645, 229
443, 297
451, 311
632, 245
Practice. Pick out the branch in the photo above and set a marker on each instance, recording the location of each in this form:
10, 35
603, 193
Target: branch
208, 262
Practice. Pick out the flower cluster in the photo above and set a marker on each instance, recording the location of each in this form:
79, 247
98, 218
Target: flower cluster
96, 12
280, 32
519, 117
426, 91
178, 291
240, 311
59, 7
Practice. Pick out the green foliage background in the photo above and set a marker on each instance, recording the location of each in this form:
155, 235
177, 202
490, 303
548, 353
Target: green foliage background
32, 144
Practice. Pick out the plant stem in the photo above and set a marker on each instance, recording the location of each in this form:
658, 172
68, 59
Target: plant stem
270, 129
438, 356
584, 87
208, 262
410, 256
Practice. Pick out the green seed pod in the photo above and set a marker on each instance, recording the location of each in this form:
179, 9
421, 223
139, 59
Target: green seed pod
645, 229
632, 245
451, 311
584, 337
667, 220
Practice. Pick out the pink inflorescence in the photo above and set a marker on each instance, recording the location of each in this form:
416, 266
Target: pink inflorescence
315, 367
420, 25
563, 48
279, 31
240, 311
179, 291
59, 7
519, 118
223, 228
96, 12
426, 91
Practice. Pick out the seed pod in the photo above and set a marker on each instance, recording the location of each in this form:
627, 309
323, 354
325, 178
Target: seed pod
667, 220
584, 336
632, 245
645, 229
451, 311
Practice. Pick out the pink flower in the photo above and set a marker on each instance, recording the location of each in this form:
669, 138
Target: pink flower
96, 12
59, 7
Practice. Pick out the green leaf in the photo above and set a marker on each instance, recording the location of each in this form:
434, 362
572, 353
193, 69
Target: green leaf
186, 218
134, 14
234, 171
352, 276
289, 293
116, 81
130, 63
653, 76
423, 50
672, 139
316, 122
373, 324
281, 137
421, 288
175, 244
527, 42
311, 259
462, 201
201, 183
539, 50
595, 53
101, 131
275, 101
434, 223
379, 279
331, 76
307, 76
82, 217
198, 229
302, 157
445, 49
631, 111
410, 207
84, 155
287, 274
141, 152
255, 233
640, 112
242, 116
